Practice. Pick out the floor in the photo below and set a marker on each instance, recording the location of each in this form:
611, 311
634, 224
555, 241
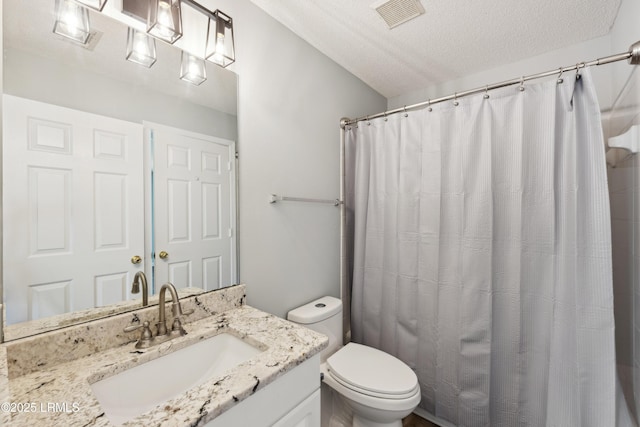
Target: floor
415, 421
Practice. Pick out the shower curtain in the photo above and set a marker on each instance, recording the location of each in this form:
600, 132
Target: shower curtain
482, 254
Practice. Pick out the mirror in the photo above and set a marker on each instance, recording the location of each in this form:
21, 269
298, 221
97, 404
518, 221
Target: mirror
53, 90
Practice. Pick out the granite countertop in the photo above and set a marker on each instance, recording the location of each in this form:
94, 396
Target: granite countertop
67, 385
39, 326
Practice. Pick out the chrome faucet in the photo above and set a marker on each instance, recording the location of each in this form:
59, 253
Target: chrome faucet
146, 338
176, 329
135, 287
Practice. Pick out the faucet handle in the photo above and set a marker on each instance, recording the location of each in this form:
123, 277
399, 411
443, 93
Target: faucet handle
176, 327
176, 309
145, 336
132, 328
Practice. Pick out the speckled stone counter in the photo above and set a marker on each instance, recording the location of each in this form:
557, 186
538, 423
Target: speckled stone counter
67, 383
39, 326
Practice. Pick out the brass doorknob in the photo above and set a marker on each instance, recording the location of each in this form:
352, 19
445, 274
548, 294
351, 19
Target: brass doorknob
163, 254
136, 259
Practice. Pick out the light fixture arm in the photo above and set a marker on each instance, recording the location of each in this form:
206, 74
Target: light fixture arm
200, 8
138, 9
219, 45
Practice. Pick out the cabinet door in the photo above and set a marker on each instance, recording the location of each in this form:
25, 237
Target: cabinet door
280, 403
306, 414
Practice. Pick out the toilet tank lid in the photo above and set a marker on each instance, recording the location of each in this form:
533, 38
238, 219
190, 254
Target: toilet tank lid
315, 311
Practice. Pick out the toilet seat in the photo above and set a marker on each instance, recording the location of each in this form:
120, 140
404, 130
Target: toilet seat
377, 402
372, 372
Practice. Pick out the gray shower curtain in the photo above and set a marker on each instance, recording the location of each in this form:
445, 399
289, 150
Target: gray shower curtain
482, 254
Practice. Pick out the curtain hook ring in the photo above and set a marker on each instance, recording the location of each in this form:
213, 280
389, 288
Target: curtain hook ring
560, 79
486, 92
429, 105
405, 111
385, 116
521, 88
368, 121
455, 99
578, 66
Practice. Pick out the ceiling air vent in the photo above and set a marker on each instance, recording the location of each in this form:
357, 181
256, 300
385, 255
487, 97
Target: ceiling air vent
396, 12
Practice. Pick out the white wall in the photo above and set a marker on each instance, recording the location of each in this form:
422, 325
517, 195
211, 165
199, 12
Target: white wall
291, 99
624, 183
625, 32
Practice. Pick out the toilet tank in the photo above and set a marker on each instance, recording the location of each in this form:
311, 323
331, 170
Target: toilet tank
323, 315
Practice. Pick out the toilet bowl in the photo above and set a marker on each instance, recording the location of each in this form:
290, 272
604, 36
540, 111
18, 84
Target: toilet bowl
379, 388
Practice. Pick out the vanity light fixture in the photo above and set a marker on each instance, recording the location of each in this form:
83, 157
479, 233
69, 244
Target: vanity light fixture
141, 48
219, 46
164, 20
72, 21
193, 69
93, 4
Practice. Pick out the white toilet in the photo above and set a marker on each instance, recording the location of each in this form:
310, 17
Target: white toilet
380, 389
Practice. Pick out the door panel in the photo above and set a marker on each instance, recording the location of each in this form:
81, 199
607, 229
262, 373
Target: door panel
49, 192
73, 208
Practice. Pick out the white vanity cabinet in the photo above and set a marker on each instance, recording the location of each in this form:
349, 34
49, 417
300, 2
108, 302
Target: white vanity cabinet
292, 400
306, 414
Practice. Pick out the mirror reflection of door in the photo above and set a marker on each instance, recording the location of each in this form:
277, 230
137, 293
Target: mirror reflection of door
73, 209
192, 209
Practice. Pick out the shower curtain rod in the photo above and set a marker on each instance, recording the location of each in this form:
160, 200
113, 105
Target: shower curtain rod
633, 55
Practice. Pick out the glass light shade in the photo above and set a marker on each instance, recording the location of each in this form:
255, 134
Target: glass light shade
165, 20
193, 69
219, 48
141, 48
93, 4
72, 21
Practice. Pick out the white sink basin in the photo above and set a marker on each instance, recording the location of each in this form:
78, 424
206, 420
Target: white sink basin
140, 389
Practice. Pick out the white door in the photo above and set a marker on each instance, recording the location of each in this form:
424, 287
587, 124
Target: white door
72, 209
194, 213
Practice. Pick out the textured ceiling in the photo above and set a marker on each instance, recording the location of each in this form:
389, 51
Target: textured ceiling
452, 39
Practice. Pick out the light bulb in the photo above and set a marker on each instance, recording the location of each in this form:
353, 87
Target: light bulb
165, 21
193, 69
141, 48
219, 47
164, 15
72, 21
218, 56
